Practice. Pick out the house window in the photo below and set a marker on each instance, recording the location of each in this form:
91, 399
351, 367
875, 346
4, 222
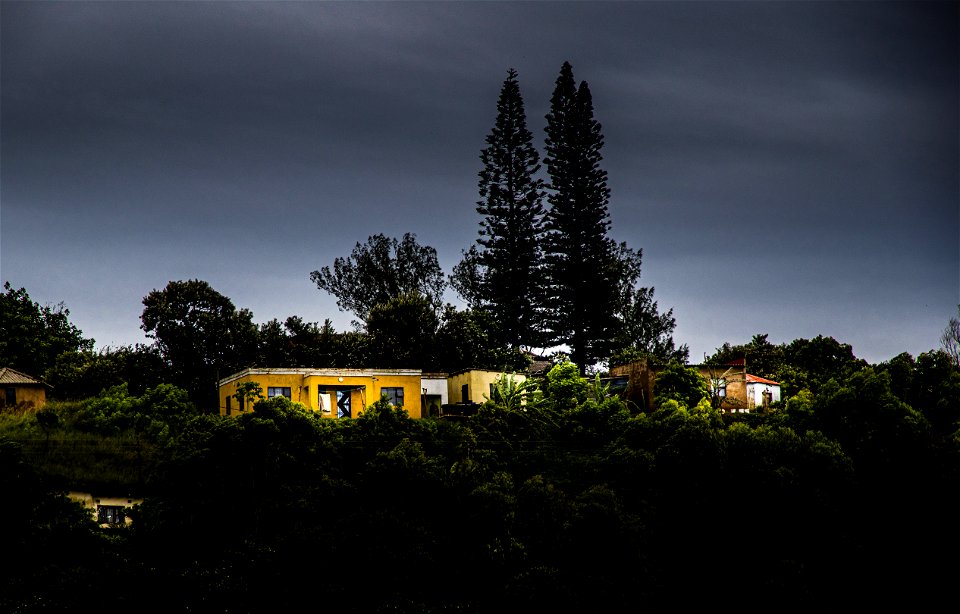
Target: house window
110, 514
278, 392
323, 400
11, 396
394, 396
721, 386
228, 406
465, 393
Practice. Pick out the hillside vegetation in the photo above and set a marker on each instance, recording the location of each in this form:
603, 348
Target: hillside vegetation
556, 498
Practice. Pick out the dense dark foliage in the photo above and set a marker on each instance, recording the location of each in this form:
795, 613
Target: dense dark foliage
33, 336
379, 270
200, 334
79, 375
557, 498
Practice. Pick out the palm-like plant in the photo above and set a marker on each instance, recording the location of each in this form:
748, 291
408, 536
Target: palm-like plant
599, 391
512, 394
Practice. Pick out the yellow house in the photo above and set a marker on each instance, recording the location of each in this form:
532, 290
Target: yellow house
334, 393
474, 385
107, 511
21, 391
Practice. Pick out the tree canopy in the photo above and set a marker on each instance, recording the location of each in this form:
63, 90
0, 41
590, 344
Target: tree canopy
548, 474
200, 333
402, 333
592, 302
581, 268
950, 338
34, 336
502, 273
380, 270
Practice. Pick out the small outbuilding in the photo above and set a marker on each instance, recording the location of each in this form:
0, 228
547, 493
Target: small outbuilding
21, 391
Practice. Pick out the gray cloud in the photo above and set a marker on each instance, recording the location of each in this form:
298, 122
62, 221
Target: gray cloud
813, 145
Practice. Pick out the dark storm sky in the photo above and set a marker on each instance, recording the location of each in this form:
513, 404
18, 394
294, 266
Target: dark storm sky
787, 168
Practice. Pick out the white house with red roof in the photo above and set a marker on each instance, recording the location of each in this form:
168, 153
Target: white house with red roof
735, 390
761, 392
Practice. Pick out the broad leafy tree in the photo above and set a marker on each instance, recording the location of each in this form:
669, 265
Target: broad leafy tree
682, 384
402, 333
313, 345
200, 334
502, 273
273, 345
77, 375
298, 343
32, 336
931, 384
380, 270
647, 333
641, 331
468, 339
468, 278
762, 357
800, 364
819, 360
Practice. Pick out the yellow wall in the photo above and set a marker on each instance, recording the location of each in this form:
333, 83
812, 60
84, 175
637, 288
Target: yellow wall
364, 387
92, 503
478, 382
28, 397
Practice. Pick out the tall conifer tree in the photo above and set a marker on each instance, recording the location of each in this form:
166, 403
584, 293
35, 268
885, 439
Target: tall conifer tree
502, 273
582, 264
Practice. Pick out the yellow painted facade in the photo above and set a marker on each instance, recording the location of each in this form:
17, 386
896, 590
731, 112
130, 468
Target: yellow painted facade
27, 396
106, 511
473, 386
21, 392
331, 392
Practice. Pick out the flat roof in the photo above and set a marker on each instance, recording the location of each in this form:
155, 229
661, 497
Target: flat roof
319, 373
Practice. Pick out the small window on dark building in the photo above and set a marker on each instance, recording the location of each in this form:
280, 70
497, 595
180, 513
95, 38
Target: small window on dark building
110, 514
228, 406
11, 396
465, 393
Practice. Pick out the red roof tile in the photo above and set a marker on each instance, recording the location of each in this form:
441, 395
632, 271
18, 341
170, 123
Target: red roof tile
754, 379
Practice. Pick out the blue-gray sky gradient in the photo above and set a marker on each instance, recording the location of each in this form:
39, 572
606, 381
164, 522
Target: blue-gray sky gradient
787, 168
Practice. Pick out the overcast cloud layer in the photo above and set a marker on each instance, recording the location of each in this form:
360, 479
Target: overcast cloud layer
787, 168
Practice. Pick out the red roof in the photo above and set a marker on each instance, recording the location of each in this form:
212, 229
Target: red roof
753, 379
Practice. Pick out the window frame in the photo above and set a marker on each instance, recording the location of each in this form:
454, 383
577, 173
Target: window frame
393, 394
284, 391
111, 514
